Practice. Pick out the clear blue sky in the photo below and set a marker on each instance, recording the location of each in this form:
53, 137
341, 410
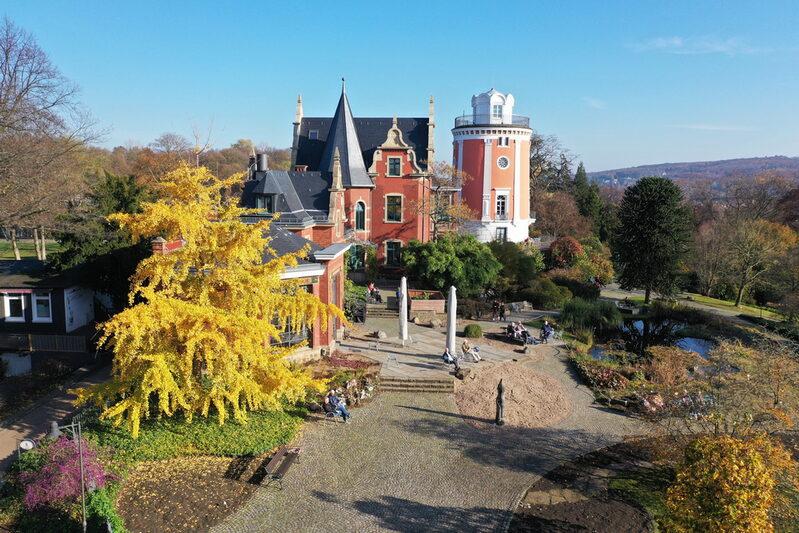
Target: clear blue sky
620, 83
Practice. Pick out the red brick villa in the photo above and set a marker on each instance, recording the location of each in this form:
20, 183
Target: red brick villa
353, 180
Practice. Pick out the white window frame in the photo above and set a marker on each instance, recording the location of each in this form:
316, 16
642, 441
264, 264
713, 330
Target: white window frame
494, 109
313, 135
402, 209
502, 230
7, 304
388, 167
355, 215
504, 211
42, 295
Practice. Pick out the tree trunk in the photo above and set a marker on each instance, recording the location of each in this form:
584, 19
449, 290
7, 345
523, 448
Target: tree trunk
44, 246
739, 297
14, 243
36, 244
647, 293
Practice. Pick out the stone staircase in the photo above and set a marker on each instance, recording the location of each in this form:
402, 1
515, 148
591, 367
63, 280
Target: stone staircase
442, 385
380, 311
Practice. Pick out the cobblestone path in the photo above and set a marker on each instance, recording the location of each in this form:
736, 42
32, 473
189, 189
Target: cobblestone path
409, 462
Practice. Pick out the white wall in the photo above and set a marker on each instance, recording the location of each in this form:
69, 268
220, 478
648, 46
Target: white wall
78, 306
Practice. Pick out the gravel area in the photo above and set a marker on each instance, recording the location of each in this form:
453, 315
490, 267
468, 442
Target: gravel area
532, 399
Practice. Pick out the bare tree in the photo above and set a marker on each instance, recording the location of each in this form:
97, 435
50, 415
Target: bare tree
550, 165
41, 127
443, 183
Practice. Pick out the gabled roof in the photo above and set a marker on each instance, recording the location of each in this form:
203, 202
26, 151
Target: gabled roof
342, 134
371, 134
300, 197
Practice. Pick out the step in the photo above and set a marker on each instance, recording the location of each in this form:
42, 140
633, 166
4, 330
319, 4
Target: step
439, 390
427, 379
416, 381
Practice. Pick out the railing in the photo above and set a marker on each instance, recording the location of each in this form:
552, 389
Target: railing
48, 343
501, 216
489, 120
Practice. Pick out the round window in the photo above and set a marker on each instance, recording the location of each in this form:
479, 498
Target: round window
503, 162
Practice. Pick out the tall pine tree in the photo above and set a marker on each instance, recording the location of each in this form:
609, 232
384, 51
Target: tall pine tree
652, 237
587, 197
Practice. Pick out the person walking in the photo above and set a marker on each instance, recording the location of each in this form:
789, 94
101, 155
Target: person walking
502, 312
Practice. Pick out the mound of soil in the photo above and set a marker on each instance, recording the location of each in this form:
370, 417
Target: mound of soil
532, 400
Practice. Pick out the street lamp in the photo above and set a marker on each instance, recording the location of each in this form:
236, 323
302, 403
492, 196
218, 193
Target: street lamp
55, 432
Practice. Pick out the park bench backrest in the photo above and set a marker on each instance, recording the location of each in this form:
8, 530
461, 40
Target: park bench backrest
285, 465
270, 467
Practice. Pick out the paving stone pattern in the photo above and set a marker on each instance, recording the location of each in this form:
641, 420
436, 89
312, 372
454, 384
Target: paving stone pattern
409, 462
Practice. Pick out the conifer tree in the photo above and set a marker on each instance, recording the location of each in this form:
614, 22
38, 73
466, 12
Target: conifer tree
652, 237
198, 334
587, 197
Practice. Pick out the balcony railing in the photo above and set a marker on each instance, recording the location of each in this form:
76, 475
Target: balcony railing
501, 216
489, 120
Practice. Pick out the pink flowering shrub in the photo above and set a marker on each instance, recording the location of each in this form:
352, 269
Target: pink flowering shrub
59, 477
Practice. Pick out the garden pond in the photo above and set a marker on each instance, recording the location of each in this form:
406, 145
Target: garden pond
638, 335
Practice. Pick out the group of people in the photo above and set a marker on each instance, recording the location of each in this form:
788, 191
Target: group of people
498, 311
468, 351
332, 404
519, 332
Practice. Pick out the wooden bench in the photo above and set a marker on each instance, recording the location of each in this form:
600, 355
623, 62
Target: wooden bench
280, 463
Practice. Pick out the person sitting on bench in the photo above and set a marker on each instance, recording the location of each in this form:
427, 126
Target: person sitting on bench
546, 333
472, 351
339, 405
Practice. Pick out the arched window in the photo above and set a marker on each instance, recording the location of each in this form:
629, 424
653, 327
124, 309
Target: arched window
360, 216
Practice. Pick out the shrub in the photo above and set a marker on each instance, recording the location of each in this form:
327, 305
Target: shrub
473, 331
598, 377
58, 479
729, 484
598, 315
571, 279
473, 308
565, 251
100, 508
3, 368
170, 437
544, 294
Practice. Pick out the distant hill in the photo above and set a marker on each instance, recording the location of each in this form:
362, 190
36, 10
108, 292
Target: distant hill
700, 169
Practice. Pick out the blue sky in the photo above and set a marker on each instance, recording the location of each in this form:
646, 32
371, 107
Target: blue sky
620, 83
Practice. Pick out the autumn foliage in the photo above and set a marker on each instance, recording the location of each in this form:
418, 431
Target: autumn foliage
198, 334
729, 484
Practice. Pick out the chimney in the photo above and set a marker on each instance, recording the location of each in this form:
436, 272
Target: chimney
159, 246
251, 168
260, 164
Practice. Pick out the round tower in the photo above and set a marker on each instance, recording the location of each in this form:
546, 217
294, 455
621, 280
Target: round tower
492, 145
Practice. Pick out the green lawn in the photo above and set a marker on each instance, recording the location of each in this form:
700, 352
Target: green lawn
26, 250
751, 310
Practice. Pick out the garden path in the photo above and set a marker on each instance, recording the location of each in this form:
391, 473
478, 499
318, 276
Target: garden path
34, 422
409, 462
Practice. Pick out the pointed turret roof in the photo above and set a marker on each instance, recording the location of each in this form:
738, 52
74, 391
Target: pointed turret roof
344, 137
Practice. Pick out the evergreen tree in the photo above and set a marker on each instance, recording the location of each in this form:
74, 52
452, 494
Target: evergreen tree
587, 197
106, 254
652, 237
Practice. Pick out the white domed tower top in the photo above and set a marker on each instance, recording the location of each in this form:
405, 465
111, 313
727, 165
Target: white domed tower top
493, 107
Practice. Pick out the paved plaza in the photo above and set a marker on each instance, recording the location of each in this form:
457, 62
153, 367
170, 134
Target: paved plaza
409, 461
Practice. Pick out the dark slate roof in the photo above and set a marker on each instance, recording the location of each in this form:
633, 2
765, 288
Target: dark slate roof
300, 196
371, 133
343, 135
285, 242
32, 274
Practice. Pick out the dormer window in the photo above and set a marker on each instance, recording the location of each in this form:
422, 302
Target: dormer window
265, 202
496, 111
394, 166
313, 135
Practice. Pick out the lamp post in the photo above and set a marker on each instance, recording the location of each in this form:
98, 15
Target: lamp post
55, 432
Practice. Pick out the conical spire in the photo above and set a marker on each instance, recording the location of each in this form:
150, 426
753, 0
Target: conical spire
344, 137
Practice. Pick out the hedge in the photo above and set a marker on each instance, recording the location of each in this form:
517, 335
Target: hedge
473, 331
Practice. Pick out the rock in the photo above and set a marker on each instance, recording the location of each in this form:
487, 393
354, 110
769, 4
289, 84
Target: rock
381, 334
415, 320
314, 407
435, 323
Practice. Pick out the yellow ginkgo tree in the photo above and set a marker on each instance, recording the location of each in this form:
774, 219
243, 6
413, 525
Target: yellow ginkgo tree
198, 334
